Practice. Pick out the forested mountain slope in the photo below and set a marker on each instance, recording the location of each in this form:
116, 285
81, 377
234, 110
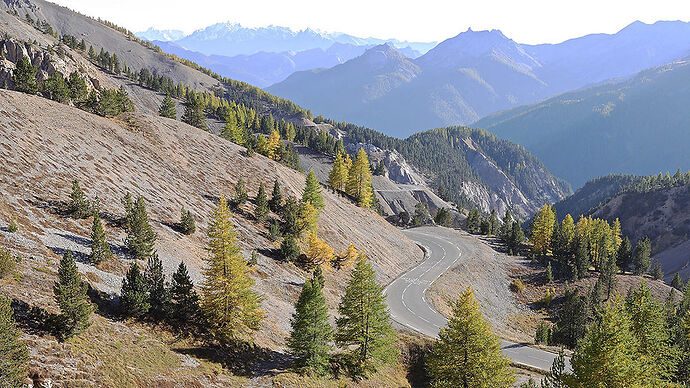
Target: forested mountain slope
45, 145
637, 126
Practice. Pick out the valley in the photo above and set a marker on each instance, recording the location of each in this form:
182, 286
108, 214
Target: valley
255, 205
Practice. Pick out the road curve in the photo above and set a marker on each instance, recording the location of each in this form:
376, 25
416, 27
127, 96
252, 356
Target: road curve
409, 307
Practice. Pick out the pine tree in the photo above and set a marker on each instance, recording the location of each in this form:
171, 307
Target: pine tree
467, 353
276, 201
607, 355
289, 248
141, 239
624, 255
582, 259
70, 294
100, 250
677, 282
312, 191
78, 206
232, 307
194, 112
187, 223
159, 298
648, 325
311, 335
338, 176
167, 108
359, 180
641, 259
364, 321
261, 204
55, 88
572, 319
232, 131
185, 301
657, 272
14, 355
607, 275
24, 77
517, 237
241, 195
549, 273
348, 258
493, 222
505, 230
134, 301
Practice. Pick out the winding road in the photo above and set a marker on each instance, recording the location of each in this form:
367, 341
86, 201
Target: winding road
409, 307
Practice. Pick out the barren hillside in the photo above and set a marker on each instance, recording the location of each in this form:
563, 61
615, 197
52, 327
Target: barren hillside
45, 145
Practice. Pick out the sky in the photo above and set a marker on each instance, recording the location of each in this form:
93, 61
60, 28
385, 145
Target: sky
525, 21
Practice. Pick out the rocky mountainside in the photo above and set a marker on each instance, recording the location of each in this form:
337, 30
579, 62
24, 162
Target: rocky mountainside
477, 73
637, 126
45, 145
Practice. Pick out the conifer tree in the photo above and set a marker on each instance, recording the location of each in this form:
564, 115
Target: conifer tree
24, 77
185, 301
55, 88
194, 112
134, 300
364, 320
607, 274
141, 239
493, 222
14, 355
273, 145
100, 250
517, 237
78, 206
582, 259
657, 272
311, 335
276, 201
549, 273
607, 355
641, 259
70, 294
312, 192
338, 176
505, 230
232, 131
677, 282
318, 253
467, 353
289, 248
572, 319
241, 195
228, 300
167, 108
359, 180
624, 254
261, 204
648, 325
290, 215
542, 230
187, 223
348, 258
159, 298
308, 217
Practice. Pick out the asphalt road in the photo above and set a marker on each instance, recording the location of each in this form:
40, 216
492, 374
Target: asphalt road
409, 307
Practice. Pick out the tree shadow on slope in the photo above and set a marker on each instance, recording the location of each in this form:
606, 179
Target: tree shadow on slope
242, 359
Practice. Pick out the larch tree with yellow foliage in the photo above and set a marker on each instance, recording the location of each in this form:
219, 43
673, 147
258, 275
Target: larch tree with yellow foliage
348, 258
467, 354
542, 230
359, 180
317, 253
338, 176
273, 145
227, 299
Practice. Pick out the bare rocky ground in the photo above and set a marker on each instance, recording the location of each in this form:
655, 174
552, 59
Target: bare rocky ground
45, 145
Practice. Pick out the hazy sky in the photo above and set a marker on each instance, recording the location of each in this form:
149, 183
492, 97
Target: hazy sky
526, 21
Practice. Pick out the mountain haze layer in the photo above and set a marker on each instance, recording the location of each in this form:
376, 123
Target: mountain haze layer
477, 73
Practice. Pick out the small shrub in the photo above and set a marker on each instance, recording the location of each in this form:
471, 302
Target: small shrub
253, 259
517, 286
187, 224
13, 227
547, 298
7, 262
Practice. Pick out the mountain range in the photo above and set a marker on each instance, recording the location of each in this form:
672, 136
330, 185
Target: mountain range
477, 73
635, 126
267, 55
